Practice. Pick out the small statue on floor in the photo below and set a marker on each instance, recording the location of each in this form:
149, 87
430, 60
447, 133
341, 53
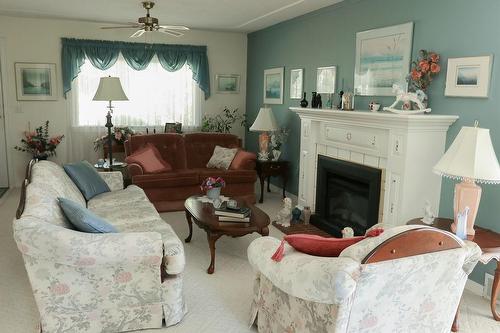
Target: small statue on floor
283, 216
429, 215
347, 232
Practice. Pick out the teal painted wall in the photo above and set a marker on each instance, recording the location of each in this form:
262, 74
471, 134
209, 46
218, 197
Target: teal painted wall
453, 28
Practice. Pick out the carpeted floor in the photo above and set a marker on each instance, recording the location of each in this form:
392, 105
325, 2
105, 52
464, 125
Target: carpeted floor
217, 303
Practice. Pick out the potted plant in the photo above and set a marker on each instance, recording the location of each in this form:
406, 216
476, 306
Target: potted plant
278, 138
39, 143
212, 186
222, 122
119, 136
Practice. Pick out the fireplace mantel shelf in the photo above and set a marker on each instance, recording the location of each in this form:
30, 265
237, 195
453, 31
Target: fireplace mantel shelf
383, 118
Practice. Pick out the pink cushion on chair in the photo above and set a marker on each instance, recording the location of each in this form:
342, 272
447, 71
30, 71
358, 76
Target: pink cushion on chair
149, 159
320, 246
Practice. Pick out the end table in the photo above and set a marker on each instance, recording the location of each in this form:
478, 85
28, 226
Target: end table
489, 242
266, 169
120, 166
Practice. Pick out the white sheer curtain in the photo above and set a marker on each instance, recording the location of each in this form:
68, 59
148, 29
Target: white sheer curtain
155, 95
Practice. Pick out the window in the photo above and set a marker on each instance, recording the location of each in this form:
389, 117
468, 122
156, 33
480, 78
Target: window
155, 95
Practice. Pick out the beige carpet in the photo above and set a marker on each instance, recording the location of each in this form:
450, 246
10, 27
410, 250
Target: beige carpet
217, 303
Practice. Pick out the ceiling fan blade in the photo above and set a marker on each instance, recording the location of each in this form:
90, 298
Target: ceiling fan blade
137, 34
174, 27
123, 27
170, 32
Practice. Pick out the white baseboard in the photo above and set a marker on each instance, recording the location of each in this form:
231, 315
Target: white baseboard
474, 287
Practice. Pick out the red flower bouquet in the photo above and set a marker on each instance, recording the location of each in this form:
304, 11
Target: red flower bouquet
423, 70
39, 143
212, 182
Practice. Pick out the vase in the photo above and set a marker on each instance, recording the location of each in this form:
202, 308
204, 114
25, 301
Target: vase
213, 193
276, 154
314, 100
303, 102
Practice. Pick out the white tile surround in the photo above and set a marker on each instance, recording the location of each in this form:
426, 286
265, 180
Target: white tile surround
405, 147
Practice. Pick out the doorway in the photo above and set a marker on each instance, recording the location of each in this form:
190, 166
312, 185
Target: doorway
4, 171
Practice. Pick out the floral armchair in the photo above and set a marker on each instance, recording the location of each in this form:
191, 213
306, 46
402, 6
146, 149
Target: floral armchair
409, 279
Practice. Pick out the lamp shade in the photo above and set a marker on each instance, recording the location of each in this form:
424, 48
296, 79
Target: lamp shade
470, 157
110, 89
265, 121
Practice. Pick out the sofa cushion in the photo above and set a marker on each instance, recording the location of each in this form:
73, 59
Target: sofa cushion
128, 196
229, 176
170, 145
177, 178
86, 178
149, 159
222, 157
242, 159
200, 147
83, 219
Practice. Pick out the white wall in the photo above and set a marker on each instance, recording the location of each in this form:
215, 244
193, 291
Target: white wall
38, 40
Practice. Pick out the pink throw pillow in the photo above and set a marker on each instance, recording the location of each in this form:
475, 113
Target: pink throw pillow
149, 158
241, 159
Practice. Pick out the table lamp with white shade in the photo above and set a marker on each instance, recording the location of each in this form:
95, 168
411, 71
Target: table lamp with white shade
264, 123
110, 89
470, 159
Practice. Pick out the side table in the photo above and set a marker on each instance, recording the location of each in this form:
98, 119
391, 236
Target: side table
266, 169
489, 242
122, 167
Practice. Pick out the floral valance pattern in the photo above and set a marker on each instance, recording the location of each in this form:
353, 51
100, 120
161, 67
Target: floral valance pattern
103, 54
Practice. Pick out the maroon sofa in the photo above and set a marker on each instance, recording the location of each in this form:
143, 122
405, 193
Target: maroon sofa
188, 155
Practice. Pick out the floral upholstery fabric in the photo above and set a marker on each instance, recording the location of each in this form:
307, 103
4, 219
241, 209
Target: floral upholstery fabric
413, 294
318, 279
113, 179
222, 157
99, 282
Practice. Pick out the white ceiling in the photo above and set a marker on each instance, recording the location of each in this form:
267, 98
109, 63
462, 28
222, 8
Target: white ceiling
230, 15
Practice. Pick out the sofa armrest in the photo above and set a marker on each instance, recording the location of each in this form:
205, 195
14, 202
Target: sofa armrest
114, 180
52, 243
244, 160
134, 169
317, 279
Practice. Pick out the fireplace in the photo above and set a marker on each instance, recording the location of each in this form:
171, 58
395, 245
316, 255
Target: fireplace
347, 195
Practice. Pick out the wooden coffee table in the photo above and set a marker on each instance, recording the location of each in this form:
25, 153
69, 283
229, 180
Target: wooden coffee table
203, 215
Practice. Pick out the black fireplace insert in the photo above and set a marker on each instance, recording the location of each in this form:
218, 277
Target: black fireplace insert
347, 195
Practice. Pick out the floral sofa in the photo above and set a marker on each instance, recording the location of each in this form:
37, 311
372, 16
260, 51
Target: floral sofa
86, 282
304, 293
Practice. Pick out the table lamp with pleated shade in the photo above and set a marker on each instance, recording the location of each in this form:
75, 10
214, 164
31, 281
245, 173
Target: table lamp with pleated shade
470, 159
264, 123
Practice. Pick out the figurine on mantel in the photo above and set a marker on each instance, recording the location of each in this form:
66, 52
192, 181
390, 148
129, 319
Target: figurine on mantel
303, 102
314, 100
341, 93
347, 232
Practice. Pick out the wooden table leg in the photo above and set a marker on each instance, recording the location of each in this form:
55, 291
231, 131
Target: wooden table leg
261, 178
190, 225
285, 180
494, 293
269, 184
212, 238
264, 231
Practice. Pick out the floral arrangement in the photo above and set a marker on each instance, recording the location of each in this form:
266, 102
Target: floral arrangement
119, 136
423, 70
212, 182
223, 122
39, 143
279, 137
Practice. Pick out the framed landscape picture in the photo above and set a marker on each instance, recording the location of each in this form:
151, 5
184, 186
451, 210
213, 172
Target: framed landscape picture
227, 83
325, 80
273, 85
35, 82
382, 59
296, 83
468, 77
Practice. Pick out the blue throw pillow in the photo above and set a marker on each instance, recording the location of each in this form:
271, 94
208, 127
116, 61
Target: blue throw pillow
86, 178
83, 219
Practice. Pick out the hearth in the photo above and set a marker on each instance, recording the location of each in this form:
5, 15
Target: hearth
347, 195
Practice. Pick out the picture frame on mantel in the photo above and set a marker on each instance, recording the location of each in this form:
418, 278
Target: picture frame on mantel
36, 81
273, 85
468, 77
383, 59
296, 83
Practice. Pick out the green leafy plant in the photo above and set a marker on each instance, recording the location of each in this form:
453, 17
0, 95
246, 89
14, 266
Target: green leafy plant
223, 122
39, 143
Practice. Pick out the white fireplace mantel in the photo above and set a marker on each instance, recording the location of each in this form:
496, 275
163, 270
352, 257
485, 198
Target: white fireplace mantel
405, 147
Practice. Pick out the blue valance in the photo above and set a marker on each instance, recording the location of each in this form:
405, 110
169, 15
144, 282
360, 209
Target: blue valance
103, 54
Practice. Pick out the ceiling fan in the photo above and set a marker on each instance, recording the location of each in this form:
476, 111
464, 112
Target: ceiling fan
148, 23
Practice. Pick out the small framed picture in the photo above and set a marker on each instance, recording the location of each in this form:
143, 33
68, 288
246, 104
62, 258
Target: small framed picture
36, 82
296, 83
325, 80
227, 83
273, 85
468, 77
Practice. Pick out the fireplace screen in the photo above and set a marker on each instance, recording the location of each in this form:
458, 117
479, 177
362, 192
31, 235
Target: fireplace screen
347, 195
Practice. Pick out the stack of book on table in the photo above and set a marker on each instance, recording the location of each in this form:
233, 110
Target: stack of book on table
240, 214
